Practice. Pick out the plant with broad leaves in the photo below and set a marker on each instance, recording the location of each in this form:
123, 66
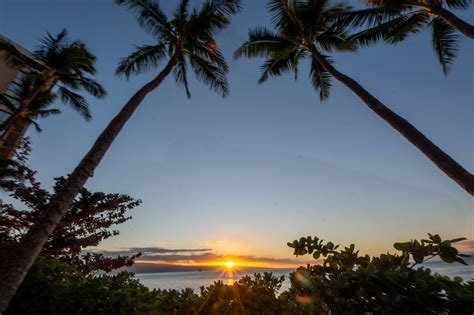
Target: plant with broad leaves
346, 283
430, 248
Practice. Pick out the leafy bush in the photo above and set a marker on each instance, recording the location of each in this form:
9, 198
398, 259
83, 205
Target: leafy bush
346, 283
343, 283
88, 221
54, 287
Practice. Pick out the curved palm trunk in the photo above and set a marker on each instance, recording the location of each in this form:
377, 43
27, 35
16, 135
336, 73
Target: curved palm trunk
14, 120
442, 160
22, 257
11, 142
450, 18
7, 128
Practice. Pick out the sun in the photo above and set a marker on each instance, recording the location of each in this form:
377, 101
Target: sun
229, 264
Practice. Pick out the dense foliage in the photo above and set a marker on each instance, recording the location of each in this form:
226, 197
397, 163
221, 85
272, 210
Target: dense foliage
86, 223
347, 283
343, 283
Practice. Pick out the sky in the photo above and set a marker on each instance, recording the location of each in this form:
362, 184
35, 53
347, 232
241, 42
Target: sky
242, 176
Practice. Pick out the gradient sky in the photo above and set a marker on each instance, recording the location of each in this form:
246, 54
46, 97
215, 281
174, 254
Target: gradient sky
270, 163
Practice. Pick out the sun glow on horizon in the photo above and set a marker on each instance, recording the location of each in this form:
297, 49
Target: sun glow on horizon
229, 264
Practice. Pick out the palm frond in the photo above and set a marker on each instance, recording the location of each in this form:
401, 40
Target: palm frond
459, 4
335, 40
445, 43
181, 11
93, 87
283, 16
393, 31
210, 74
75, 58
261, 43
412, 24
47, 112
51, 45
180, 74
320, 79
279, 63
222, 7
141, 60
76, 101
210, 18
369, 17
34, 123
150, 17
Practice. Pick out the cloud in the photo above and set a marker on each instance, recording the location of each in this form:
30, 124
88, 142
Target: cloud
199, 258
213, 243
465, 247
149, 251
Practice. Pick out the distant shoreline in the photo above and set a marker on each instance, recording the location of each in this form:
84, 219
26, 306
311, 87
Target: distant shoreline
162, 268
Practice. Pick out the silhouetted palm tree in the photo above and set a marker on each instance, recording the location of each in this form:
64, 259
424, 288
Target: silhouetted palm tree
187, 38
394, 20
65, 66
306, 29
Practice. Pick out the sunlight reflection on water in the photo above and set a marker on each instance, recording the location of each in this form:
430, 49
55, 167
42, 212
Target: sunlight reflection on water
196, 279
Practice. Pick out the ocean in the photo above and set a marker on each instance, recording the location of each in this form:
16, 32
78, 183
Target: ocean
196, 279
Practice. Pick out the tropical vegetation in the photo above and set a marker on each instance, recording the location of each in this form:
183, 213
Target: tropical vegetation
188, 37
313, 29
44, 244
63, 69
344, 282
393, 21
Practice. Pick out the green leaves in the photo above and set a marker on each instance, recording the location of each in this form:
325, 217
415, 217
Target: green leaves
393, 21
188, 34
76, 101
445, 43
320, 79
143, 59
299, 25
151, 18
432, 247
346, 283
458, 4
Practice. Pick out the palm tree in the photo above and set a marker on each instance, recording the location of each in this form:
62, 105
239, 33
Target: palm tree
311, 29
187, 38
394, 20
65, 66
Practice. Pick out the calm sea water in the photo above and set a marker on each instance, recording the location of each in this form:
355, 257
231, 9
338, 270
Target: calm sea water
196, 279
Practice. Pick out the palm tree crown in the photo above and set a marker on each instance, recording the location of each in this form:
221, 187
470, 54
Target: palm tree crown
69, 64
394, 20
189, 36
299, 26
310, 28
64, 69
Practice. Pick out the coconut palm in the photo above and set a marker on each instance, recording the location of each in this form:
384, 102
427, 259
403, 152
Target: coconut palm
65, 66
394, 20
312, 29
187, 38
39, 107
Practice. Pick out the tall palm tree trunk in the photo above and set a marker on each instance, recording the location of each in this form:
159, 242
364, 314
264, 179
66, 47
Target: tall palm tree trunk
21, 258
11, 142
450, 18
442, 160
8, 128
13, 119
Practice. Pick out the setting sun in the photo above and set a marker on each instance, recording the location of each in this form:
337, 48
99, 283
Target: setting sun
229, 264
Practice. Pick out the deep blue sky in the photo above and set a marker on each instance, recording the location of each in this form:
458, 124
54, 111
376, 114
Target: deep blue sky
269, 163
